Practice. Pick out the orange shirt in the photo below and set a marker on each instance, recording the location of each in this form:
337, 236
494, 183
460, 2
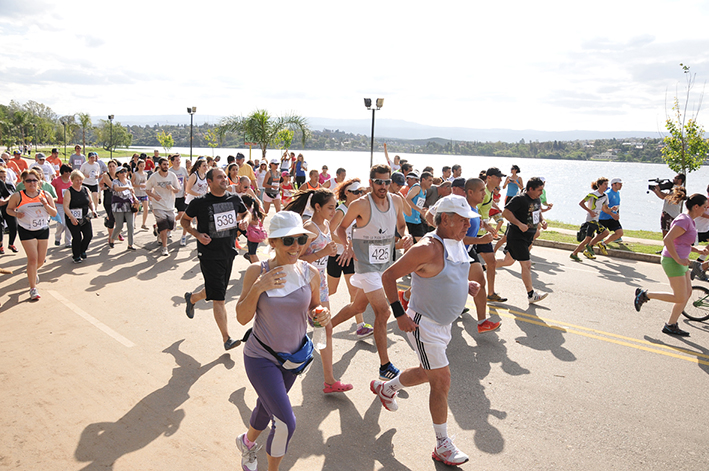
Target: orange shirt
18, 165
55, 162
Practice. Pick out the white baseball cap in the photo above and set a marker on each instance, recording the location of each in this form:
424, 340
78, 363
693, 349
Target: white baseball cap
454, 204
286, 223
616, 180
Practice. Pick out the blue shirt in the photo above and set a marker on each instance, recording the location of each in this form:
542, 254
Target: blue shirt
613, 200
474, 227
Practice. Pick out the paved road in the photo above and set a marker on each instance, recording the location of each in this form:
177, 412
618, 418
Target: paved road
106, 372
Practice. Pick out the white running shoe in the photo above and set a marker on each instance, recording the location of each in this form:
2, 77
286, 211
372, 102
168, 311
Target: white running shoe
183, 241
536, 297
449, 454
164, 251
389, 402
248, 455
34, 295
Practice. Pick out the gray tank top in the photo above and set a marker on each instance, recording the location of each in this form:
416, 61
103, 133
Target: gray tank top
441, 298
373, 243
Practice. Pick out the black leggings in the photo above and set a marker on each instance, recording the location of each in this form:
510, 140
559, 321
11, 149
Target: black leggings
81, 235
11, 222
299, 181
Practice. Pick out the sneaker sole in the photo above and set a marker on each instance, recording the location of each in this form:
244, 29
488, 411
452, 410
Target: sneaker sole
541, 298
489, 330
373, 389
360, 337
443, 460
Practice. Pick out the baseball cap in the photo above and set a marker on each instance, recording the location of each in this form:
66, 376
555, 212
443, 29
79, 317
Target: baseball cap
398, 178
454, 204
495, 172
285, 174
354, 186
286, 223
459, 182
240, 156
91, 154
16, 152
413, 174
40, 155
616, 180
275, 161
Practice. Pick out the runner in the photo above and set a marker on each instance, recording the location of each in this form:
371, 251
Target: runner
107, 181
438, 265
612, 221
493, 177
139, 182
55, 161
395, 164
416, 198
377, 216
92, 173
40, 161
180, 205
279, 295
122, 200
524, 212
6, 191
162, 186
513, 183
593, 204
77, 159
61, 184
272, 187
218, 214
77, 203
32, 207
287, 189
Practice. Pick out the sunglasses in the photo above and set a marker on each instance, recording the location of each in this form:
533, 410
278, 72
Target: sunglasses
31, 181
289, 240
355, 192
380, 181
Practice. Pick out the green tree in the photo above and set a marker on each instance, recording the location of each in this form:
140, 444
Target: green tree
685, 149
166, 141
85, 123
263, 129
213, 138
284, 139
121, 136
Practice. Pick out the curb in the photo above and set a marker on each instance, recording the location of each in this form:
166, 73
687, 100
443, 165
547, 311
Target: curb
642, 257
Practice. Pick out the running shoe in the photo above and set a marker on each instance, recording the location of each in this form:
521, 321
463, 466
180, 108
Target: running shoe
130, 247
697, 271
588, 252
183, 241
575, 257
619, 240
189, 309
365, 331
155, 230
389, 402
144, 227
488, 326
388, 372
536, 297
640, 298
496, 298
673, 329
231, 343
248, 455
34, 294
449, 454
603, 248
84, 256
403, 301
13, 248
57, 243
77, 259
2, 250
164, 252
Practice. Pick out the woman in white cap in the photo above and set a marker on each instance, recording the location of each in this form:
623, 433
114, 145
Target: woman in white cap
279, 295
272, 187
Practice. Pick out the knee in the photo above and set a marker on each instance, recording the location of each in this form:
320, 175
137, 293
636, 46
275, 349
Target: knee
441, 383
619, 232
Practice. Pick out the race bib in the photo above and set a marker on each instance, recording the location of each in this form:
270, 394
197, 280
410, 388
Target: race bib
420, 202
320, 263
379, 254
77, 162
64, 192
536, 216
225, 221
38, 223
76, 213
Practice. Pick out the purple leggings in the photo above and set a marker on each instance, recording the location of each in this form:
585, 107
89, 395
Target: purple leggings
272, 383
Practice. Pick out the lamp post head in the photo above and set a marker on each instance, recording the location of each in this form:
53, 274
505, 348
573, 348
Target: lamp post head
194, 109
110, 117
368, 103
191, 109
380, 102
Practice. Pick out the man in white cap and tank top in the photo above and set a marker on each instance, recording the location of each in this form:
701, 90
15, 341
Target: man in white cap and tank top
439, 266
377, 217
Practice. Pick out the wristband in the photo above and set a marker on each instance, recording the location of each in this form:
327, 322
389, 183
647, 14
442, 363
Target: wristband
398, 309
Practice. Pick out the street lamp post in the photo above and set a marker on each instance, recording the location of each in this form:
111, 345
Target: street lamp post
191, 110
110, 144
368, 103
34, 126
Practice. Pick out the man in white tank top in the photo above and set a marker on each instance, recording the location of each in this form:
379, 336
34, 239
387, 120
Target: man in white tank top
378, 216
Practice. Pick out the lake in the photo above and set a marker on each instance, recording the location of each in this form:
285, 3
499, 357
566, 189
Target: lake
567, 181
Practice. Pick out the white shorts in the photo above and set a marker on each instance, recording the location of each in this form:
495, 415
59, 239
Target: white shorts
268, 199
367, 282
429, 341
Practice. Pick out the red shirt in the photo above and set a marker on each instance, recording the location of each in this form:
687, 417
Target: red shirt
149, 164
60, 187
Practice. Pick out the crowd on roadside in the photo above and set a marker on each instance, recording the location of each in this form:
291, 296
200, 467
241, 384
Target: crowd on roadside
446, 227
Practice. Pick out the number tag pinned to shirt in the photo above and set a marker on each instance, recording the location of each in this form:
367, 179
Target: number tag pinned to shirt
225, 221
76, 213
536, 216
379, 254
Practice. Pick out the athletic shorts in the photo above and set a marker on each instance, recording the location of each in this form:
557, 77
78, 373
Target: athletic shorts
335, 270
92, 188
165, 219
416, 230
252, 246
142, 198
474, 255
367, 282
594, 227
484, 248
268, 199
703, 236
180, 204
497, 217
429, 341
216, 275
42, 234
518, 248
672, 268
611, 224
666, 221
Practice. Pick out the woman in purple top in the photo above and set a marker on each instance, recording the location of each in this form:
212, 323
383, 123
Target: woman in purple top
679, 243
279, 294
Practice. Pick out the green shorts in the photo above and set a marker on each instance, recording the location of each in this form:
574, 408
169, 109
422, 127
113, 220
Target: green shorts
672, 268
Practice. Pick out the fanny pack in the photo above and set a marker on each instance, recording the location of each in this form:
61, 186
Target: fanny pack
298, 362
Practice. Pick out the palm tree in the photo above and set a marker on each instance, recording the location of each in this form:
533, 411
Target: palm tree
263, 129
20, 120
85, 122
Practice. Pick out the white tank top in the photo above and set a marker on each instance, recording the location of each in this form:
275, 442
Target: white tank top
373, 243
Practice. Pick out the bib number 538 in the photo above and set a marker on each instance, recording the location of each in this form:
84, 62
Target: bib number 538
225, 221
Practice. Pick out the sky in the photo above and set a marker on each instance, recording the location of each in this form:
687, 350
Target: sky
544, 65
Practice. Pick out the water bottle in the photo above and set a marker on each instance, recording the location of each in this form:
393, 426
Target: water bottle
319, 335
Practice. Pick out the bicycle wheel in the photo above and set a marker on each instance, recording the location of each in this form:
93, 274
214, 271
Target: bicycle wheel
697, 308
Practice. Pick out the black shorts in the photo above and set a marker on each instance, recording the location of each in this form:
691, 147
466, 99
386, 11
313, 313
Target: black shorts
703, 236
611, 224
484, 248
252, 246
42, 234
666, 221
216, 275
474, 255
518, 247
416, 230
180, 204
593, 227
92, 188
335, 270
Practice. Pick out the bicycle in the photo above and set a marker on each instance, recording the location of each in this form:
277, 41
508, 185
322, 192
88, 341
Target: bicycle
697, 308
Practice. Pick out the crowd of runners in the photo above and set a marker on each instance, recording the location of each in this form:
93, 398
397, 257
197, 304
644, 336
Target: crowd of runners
445, 228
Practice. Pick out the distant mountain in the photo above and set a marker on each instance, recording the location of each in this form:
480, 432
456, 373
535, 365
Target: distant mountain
400, 129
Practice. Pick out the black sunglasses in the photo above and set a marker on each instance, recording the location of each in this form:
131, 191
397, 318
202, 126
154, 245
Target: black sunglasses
355, 192
31, 181
289, 240
381, 181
